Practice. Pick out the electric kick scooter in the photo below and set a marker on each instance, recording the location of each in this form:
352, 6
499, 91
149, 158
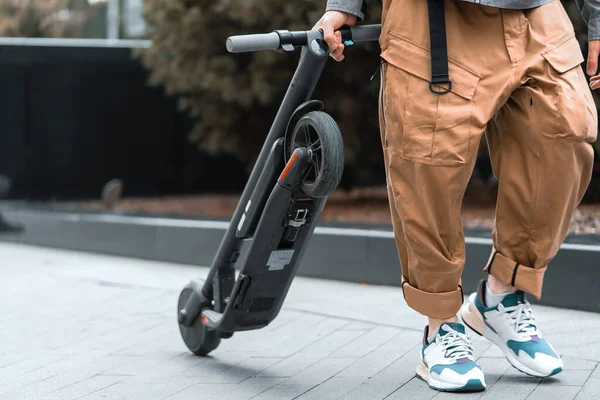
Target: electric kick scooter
299, 166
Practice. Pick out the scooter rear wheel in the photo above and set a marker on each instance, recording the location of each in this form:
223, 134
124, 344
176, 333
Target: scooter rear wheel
197, 337
319, 133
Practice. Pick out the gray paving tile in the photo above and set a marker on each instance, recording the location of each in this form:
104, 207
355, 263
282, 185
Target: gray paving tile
596, 372
359, 325
568, 378
247, 389
200, 391
369, 365
493, 369
389, 379
572, 363
307, 378
30, 364
414, 389
130, 347
402, 342
493, 352
590, 391
83, 388
303, 339
512, 385
12, 359
367, 342
553, 322
286, 390
130, 388
322, 370
316, 351
458, 396
292, 365
576, 337
135, 365
69, 372
333, 388
232, 373
547, 392
338, 339
513, 374
190, 365
591, 351
258, 341
481, 348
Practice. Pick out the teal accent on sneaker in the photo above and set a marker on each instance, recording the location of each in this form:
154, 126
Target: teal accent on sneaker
513, 299
457, 326
531, 348
481, 307
473, 385
556, 371
510, 300
459, 368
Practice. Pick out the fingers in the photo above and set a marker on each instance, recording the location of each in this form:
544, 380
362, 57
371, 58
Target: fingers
595, 82
329, 34
592, 61
334, 40
331, 21
338, 53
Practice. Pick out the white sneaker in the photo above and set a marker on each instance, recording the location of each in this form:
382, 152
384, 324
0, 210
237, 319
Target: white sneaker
447, 363
511, 326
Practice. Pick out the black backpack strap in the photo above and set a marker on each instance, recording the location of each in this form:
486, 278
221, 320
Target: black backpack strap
439, 49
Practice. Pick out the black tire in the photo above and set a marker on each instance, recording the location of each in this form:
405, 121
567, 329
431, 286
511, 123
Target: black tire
318, 132
198, 338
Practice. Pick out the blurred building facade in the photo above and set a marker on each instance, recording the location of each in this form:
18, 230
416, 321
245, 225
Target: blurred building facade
98, 19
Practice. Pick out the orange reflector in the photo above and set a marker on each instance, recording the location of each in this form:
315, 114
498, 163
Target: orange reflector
204, 319
288, 166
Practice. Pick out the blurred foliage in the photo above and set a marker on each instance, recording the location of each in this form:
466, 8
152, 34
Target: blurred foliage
51, 18
234, 97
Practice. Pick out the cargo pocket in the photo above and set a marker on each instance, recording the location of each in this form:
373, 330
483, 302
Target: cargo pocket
421, 126
575, 115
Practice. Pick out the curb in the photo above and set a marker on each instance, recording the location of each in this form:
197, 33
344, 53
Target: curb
354, 253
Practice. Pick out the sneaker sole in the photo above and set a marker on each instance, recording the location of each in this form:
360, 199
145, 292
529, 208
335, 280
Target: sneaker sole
472, 385
473, 319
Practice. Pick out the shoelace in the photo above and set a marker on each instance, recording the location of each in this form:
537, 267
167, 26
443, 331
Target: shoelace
521, 317
456, 345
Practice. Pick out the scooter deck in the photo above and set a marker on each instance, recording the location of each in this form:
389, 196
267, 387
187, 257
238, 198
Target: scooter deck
273, 254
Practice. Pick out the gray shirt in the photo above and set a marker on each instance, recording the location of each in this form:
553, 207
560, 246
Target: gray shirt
590, 9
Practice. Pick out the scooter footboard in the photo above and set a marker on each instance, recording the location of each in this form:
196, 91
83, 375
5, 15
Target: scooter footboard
272, 258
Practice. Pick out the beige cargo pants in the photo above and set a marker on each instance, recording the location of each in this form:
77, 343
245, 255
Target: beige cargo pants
517, 77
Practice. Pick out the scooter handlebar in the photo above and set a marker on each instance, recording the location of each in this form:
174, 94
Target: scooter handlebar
366, 33
257, 42
272, 41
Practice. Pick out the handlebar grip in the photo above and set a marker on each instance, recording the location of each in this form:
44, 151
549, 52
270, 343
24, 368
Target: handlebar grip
257, 42
366, 33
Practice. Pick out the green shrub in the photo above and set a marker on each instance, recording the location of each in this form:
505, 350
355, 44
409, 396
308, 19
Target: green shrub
234, 97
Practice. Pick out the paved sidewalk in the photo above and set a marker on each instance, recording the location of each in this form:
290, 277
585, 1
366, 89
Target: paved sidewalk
75, 325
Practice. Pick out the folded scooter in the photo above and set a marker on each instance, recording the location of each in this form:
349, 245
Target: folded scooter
299, 166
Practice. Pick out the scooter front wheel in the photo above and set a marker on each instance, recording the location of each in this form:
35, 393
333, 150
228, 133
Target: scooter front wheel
197, 337
318, 132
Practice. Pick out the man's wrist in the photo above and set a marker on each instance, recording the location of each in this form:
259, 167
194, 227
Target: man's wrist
359, 15
594, 29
